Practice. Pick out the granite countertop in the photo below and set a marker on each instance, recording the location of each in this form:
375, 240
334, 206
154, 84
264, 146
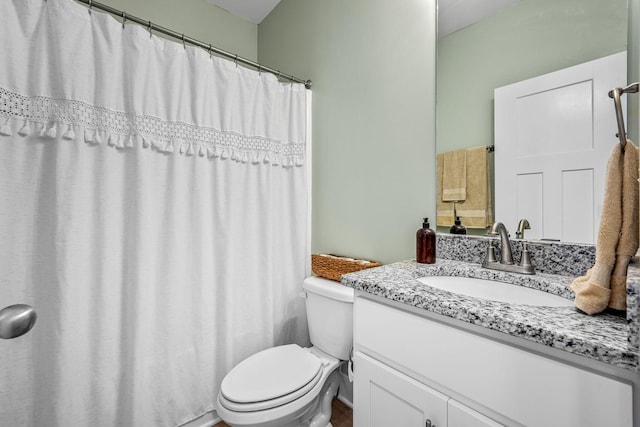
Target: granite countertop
608, 338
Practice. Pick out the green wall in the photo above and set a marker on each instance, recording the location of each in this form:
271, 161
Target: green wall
372, 63
198, 19
533, 37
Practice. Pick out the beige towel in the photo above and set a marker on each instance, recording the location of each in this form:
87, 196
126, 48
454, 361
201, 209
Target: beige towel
444, 210
605, 284
454, 176
476, 211
628, 243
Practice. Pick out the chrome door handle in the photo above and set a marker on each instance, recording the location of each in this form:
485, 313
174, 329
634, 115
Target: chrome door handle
16, 320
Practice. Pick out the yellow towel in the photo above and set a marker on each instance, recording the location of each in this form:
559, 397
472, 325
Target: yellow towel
477, 211
444, 210
605, 284
454, 176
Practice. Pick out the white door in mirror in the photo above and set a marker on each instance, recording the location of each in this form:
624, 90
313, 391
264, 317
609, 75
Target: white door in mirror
553, 136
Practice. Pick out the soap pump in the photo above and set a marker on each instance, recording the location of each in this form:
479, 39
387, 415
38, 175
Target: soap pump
426, 244
457, 227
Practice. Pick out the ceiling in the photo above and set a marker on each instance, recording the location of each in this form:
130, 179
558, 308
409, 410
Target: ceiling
452, 14
251, 10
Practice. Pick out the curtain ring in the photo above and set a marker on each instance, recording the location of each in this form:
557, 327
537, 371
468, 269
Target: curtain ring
90, 6
124, 18
209, 50
235, 60
183, 42
150, 33
259, 70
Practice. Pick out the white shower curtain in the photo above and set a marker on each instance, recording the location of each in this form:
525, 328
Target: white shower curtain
153, 210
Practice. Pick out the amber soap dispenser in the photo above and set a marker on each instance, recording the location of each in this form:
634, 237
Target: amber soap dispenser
426, 244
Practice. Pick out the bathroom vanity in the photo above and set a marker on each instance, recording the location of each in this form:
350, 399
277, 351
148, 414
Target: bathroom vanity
425, 356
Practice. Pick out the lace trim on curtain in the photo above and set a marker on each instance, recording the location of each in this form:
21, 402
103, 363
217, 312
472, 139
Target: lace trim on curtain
55, 118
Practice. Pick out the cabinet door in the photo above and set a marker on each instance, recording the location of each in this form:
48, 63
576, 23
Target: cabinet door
463, 416
384, 397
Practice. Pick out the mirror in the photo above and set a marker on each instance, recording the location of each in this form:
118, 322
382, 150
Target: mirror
520, 40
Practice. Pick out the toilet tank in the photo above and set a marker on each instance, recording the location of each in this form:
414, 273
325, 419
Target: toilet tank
329, 316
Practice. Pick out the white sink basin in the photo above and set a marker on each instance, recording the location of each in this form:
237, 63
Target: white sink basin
495, 291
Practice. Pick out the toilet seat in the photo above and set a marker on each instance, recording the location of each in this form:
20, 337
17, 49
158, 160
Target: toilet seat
271, 378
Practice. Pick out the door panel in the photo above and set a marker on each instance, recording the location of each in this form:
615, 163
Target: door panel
385, 397
553, 136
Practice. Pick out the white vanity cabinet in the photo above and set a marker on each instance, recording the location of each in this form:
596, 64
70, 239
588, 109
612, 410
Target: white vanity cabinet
394, 399
411, 369
387, 397
463, 416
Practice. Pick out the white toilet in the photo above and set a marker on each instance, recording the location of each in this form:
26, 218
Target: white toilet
289, 385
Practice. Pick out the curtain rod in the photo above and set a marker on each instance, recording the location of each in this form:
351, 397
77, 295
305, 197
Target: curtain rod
185, 39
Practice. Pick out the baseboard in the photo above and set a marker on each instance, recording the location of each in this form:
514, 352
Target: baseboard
208, 419
344, 400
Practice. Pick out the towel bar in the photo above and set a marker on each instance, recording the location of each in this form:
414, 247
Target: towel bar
616, 93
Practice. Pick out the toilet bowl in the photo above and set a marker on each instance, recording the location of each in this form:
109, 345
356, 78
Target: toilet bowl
290, 385
251, 396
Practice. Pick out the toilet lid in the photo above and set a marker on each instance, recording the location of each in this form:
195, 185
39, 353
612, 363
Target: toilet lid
271, 374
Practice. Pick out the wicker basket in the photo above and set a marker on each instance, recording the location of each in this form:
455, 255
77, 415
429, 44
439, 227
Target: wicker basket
334, 266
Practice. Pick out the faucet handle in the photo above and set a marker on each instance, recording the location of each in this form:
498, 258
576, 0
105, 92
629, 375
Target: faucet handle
525, 259
491, 252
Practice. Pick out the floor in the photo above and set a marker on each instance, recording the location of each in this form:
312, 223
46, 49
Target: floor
341, 415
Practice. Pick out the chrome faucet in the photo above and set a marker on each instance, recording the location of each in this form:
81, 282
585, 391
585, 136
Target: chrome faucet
522, 225
506, 261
